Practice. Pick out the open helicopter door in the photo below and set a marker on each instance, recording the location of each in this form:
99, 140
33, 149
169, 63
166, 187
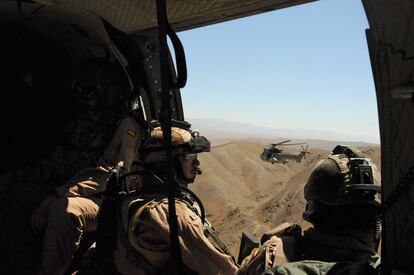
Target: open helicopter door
160, 98
142, 50
391, 46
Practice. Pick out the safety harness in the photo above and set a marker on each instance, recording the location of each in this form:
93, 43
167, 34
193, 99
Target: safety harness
133, 208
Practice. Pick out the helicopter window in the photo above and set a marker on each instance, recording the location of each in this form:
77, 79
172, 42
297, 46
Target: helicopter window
286, 75
301, 73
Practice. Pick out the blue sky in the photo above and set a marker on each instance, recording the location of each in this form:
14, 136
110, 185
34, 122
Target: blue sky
302, 67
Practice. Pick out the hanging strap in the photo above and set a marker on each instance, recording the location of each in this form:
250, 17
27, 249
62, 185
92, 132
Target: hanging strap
165, 116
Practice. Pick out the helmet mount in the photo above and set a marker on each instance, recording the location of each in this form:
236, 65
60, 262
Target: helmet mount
185, 147
342, 187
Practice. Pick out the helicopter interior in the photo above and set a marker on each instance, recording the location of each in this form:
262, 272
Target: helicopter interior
34, 105
40, 39
40, 44
43, 38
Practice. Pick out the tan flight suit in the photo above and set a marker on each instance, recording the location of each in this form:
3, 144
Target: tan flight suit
321, 247
149, 231
81, 146
76, 209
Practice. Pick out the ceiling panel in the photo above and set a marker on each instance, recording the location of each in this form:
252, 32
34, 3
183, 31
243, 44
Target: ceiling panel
135, 15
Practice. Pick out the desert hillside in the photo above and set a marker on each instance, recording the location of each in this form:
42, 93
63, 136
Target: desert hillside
242, 193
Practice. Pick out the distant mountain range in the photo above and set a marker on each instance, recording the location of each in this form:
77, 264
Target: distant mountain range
242, 193
222, 131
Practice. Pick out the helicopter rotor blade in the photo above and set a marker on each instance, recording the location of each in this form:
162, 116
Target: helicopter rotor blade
292, 144
280, 143
305, 150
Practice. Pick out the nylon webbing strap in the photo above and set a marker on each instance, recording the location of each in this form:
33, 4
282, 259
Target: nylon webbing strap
165, 121
133, 224
209, 231
129, 241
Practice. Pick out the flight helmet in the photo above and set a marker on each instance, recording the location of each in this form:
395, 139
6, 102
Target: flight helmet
99, 84
186, 145
343, 188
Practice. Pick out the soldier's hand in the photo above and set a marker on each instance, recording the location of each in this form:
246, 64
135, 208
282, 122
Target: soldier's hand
40, 214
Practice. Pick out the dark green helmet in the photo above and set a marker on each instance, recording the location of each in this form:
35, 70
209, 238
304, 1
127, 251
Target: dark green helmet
341, 180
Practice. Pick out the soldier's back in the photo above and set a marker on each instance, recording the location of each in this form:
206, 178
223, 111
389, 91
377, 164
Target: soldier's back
289, 251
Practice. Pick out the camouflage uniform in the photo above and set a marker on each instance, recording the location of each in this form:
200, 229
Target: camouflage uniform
74, 209
144, 247
343, 208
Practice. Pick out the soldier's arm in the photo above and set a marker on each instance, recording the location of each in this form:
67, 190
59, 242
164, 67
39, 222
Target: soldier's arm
198, 253
130, 135
124, 147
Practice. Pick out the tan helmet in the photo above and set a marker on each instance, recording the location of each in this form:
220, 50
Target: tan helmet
340, 180
178, 135
155, 142
185, 147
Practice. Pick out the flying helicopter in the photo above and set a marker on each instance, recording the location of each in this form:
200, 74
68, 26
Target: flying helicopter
275, 154
128, 32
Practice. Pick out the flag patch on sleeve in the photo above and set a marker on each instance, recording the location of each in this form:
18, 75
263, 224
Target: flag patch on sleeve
131, 132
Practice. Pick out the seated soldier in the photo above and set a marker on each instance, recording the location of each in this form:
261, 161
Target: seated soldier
343, 207
72, 209
148, 228
90, 82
